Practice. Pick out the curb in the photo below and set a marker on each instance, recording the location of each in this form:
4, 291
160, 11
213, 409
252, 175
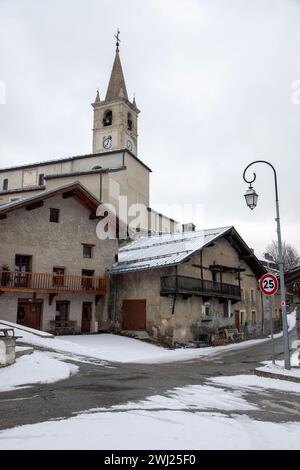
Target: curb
271, 375
24, 352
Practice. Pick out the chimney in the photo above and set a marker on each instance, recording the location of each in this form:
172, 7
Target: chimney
190, 227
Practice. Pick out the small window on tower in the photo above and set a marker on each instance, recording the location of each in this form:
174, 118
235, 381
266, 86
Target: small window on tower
129, 122
107, 118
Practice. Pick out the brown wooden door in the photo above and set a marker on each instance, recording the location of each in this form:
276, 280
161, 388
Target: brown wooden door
86, 317
134, 315
237, 319
30, 314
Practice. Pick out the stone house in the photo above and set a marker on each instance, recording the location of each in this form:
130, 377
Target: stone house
53, 267
186, 286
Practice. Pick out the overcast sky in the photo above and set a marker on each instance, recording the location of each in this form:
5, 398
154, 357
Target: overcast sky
213, 80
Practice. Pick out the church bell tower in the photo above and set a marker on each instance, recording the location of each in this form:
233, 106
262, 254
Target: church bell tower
115, 118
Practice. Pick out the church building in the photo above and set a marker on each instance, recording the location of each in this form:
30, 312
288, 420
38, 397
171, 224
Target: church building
113, 172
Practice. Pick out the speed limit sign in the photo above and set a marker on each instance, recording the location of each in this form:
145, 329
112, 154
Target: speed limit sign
268, 284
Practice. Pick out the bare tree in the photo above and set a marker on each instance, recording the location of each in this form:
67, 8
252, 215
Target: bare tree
291, 257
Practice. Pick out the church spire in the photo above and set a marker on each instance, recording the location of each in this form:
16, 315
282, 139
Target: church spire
116, 87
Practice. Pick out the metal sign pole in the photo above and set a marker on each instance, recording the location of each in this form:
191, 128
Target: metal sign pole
271, 328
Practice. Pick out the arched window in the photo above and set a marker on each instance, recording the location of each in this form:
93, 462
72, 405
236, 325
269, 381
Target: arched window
129, 122
107, 118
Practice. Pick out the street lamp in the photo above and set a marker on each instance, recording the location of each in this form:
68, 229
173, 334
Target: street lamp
251, 199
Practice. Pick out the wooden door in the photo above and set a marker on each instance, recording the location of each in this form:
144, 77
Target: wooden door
237, 319
86, 317
134, 315
30, 314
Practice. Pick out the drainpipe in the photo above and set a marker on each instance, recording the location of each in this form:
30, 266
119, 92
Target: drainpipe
176, 289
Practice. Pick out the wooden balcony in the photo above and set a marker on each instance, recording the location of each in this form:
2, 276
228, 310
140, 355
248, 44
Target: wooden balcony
48, 283
188, 286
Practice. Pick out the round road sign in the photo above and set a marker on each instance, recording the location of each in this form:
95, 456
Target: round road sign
269, 284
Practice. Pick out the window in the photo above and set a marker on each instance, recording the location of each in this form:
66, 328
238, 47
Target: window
129, 122
62, 312
242, 294
87, 250
58, 280
5, 184
41, 179
207, 311
54, 215
252, 295
242, 318
87, 278
253, 314
107, 118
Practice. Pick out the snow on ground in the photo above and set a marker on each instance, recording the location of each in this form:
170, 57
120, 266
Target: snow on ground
9, 324
278, 368
295, 358
143, 427
37, 367
191, 397
292, 320
254, 382
117, 348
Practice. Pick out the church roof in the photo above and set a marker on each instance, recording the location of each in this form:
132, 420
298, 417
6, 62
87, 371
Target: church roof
116, 87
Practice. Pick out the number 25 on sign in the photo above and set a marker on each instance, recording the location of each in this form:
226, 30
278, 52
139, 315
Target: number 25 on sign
268, 284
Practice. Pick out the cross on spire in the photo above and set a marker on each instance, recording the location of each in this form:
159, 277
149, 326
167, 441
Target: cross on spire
117, 36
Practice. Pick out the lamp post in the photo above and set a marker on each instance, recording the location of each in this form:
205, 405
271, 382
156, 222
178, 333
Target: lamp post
251, 199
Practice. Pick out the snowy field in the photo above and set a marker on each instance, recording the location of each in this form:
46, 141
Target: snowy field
35, 368
182, 420
109, 347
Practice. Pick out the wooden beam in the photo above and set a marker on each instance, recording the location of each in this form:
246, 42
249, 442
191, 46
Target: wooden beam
3, 216
69, 194
36, 205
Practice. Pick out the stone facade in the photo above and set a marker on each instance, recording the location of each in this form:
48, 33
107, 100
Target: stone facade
181, 320
60, 244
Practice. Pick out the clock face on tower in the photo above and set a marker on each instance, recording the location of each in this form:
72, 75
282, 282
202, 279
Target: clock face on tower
107, 142
129, 145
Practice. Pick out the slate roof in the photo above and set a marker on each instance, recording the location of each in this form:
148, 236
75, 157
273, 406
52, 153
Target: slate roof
163, 250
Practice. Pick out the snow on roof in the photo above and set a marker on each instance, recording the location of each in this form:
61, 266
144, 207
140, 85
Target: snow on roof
163, 250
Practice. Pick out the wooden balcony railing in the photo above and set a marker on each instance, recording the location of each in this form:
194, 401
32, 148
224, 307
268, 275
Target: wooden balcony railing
51, 283
202, 287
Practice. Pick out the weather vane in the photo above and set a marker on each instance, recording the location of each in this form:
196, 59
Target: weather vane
117, 36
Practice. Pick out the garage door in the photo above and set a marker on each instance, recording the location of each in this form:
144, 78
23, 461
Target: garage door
134, 315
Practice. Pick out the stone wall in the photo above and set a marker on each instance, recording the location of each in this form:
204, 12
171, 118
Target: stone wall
181, 320
54, 244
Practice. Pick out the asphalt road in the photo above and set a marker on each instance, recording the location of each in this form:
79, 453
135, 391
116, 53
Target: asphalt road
98, 385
